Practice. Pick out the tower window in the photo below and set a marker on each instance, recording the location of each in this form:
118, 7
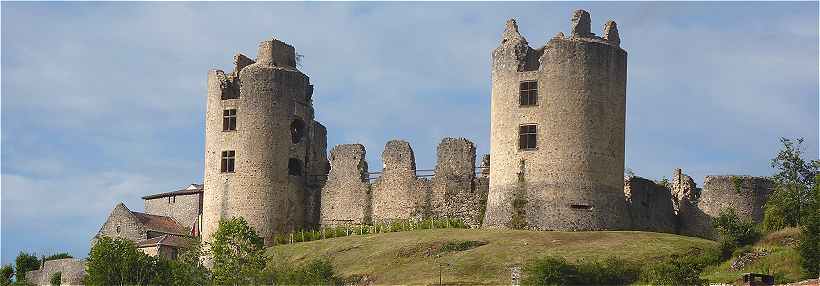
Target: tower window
229, 120
228, 159
528, 93
527, 137
297, 130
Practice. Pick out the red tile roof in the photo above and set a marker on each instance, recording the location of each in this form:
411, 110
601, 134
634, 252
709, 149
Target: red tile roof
161, 224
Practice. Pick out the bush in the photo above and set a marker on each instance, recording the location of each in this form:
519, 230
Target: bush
317, 272
674, 270
732, 229
56, 278
57, 256
810, 237
6, 272
556, 271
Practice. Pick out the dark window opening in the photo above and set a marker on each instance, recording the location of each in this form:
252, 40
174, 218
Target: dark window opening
527, 137
118, 229
297, 130
294, 167
580, 207
228, 160
528, 93
229, 120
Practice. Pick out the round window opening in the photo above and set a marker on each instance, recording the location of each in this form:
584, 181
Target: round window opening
297, 130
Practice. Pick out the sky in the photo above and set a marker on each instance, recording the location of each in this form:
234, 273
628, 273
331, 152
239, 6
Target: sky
104, 102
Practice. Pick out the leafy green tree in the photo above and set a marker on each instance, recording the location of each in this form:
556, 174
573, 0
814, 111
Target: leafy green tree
118, 262
810, 240
794, 182
237, 254
24, 263
730, 227
6, 272
188, 269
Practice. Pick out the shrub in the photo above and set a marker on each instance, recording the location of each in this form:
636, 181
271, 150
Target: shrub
731, 228
810, 238
674, 270
6, 272
56, 278
317, 272
57, 256
556, 271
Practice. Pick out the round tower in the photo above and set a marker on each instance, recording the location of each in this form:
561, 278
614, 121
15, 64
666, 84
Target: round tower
248, 142
557, 131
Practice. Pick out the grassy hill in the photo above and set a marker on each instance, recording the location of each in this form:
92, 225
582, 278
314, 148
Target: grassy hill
775, 254
474, 256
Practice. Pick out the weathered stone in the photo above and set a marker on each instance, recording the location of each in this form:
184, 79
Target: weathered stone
398, 194
72, 272
573, 180
611, 33
346, 197
453, 192
650, 206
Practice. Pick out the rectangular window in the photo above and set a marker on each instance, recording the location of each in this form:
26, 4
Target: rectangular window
527, 137
528, 93
228, 159
229, 120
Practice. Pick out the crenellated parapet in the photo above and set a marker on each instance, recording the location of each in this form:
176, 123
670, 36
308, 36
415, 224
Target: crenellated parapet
399, 193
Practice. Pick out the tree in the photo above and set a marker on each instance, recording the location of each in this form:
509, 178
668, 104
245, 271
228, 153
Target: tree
6, 272
187, 269
237, 253
733, 231
119, 262
810, 240
61, 255
24, 263
794, 181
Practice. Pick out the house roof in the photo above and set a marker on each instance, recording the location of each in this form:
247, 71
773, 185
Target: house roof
168, 239
162, 224
191, 189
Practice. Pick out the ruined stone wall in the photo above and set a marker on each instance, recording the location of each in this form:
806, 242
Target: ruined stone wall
398, 194
346, 197
72, 272
454, 191
650, 206
183, 208
258, 190
573, 180
318, 167
745, 194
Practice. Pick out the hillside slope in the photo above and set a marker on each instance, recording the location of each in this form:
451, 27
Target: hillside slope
775, 254
474, 256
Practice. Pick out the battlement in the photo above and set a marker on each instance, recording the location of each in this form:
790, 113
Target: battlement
514, 49
400, 193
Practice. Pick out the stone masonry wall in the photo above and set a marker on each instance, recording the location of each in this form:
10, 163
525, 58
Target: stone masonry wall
454, 192
346, 196
573, 179
129, 227
745, 194
650, 206
183, 208
72, 272
398, 194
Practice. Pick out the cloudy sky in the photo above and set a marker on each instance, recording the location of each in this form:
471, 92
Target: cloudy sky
104, 102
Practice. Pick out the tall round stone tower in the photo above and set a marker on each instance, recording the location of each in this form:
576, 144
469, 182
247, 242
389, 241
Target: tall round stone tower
257, 143
557, 131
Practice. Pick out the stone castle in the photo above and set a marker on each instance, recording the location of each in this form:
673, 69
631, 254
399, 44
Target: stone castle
556, 157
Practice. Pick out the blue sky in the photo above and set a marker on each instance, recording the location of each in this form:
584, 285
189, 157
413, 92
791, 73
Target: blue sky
104, 102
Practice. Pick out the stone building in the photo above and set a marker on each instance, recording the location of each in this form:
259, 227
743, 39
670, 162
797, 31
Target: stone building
72, 272
557, 131
184, 206
262, 144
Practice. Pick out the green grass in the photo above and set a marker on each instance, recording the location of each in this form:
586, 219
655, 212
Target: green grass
783, 260
474, 256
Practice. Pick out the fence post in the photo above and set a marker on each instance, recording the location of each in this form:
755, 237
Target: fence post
291, 238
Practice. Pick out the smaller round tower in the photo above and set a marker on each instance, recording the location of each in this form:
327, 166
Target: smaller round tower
557, 131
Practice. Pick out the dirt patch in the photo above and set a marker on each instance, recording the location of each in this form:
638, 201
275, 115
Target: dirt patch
748, 258
438, 247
